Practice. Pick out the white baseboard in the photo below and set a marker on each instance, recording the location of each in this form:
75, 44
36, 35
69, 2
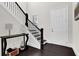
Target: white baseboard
75, 51
60, 43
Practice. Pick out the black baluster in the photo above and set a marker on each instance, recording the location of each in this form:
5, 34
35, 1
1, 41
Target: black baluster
42, 38
26, 19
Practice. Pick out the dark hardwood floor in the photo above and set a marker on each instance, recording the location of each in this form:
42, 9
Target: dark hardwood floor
49, 50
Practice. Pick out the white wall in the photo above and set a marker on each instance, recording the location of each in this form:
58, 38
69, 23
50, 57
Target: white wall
42, 10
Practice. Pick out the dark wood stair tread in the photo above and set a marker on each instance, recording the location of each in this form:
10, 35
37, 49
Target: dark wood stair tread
39, 38
35, 32
37, 35
32, 30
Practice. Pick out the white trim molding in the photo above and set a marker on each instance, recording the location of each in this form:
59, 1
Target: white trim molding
75, 51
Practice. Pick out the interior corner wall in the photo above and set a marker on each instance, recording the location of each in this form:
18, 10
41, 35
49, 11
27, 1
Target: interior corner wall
70, 24
75, 42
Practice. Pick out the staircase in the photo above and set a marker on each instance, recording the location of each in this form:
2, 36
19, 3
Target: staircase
16, 10
37, 35
35, 31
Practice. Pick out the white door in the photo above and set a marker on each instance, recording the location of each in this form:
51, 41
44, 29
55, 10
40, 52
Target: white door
59, 22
